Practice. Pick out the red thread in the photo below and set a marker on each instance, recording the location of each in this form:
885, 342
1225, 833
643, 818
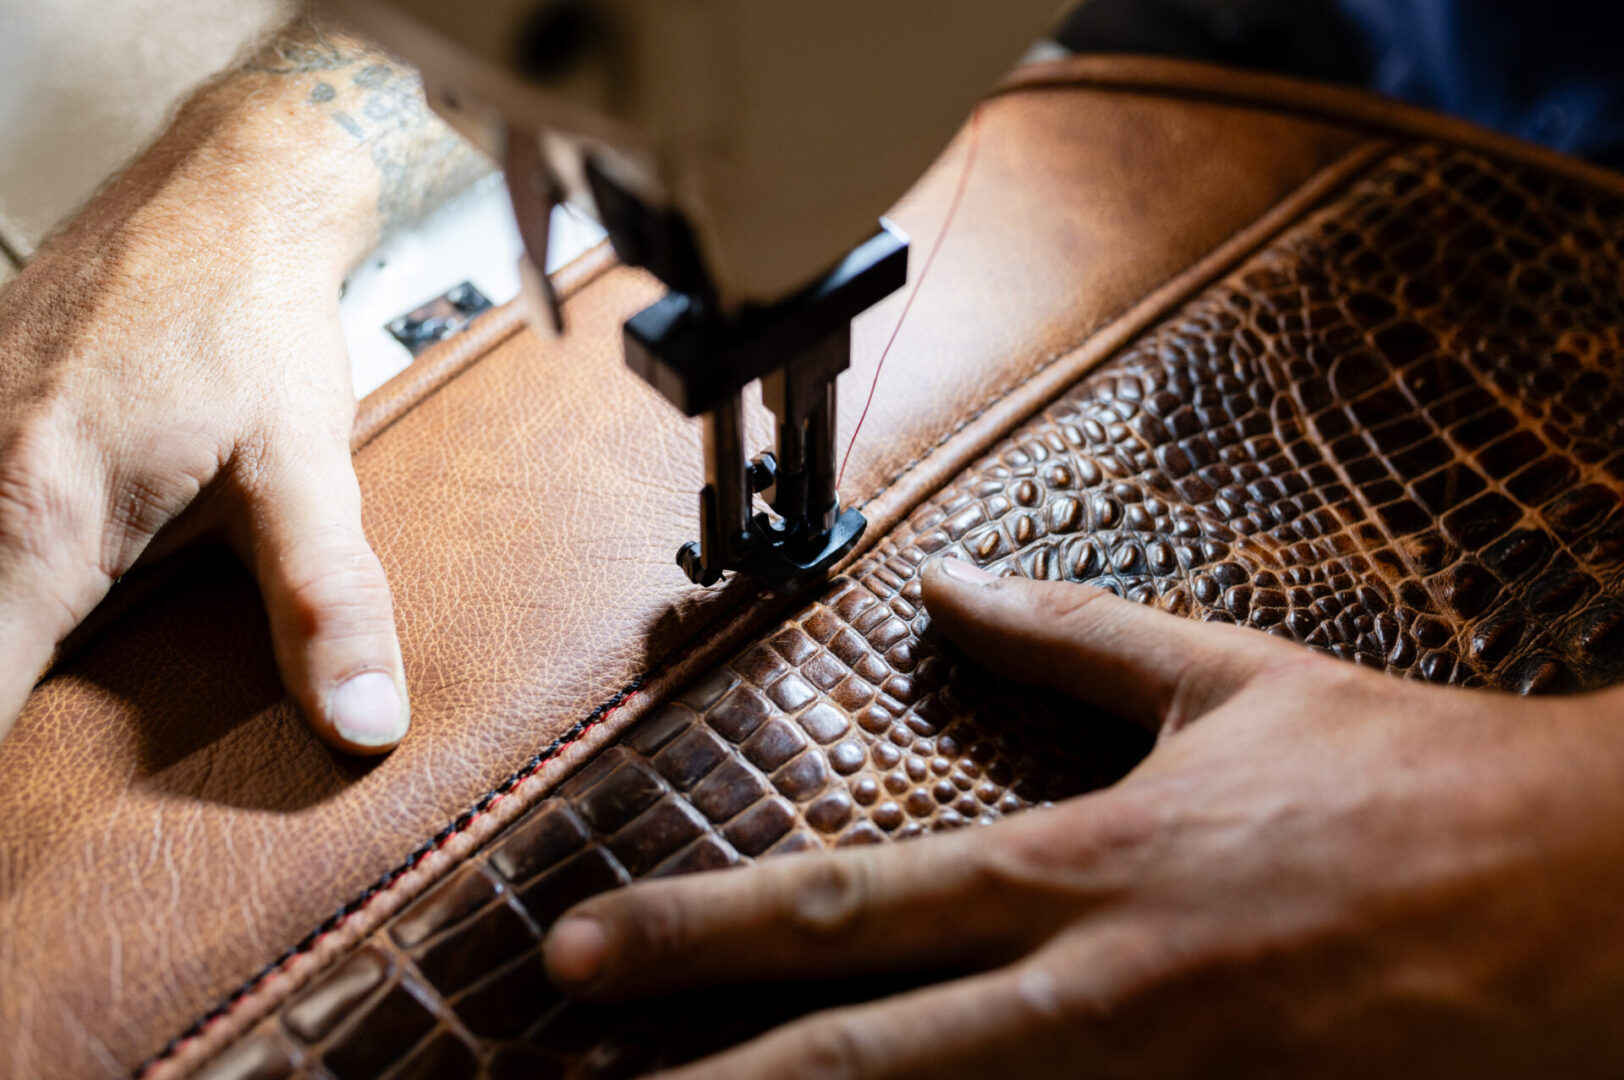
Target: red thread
919, 283
599, 716
281, 966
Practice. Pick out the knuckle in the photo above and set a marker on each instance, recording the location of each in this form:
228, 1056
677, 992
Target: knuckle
36, 502
1130, 980
1043, 994
143, 504
249, 461
146, 499
322, 425
1099, 840
32, 513
833, 1048
657, 925
338, 590
1128, 823
1004, 870
831, 898
48, 528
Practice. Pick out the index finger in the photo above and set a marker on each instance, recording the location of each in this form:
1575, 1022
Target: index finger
51, 519
950, 900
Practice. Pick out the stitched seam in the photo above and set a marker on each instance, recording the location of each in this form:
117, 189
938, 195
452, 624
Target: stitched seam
1089, 334
628, 692
411, 401
1333, 105
992, 403
483, 806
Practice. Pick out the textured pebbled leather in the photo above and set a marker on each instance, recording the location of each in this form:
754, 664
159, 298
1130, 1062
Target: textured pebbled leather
1395, 435
172, 828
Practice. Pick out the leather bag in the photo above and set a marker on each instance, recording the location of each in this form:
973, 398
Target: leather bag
1252, 350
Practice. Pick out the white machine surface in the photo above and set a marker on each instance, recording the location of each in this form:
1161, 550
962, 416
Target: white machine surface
742, 151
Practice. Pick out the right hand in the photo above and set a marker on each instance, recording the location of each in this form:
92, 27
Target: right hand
1319, 872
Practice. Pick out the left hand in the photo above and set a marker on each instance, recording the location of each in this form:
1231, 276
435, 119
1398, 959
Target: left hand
1319, 871
172, 368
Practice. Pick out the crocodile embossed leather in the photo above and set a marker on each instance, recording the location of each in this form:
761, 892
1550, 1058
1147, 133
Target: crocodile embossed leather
1395, 434
182, 858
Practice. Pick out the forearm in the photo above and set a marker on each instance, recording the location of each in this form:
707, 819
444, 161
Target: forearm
363, 102
320, 145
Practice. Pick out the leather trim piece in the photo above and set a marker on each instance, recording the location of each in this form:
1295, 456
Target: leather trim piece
436, 857
920, 476
1297, 97
887, 507
444, 362
972, 436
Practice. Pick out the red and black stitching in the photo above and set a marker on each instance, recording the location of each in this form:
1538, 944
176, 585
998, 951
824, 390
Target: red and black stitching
534, 765
461, 824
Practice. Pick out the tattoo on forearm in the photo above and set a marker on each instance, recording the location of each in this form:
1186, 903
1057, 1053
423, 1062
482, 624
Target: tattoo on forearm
379, 103
299, 51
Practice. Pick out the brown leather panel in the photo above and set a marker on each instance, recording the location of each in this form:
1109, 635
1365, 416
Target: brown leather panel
1163, 183
444, 362
1393, 436
172, 827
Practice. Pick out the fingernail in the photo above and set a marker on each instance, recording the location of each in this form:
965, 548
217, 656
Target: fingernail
366, 710
965, 573
575, 950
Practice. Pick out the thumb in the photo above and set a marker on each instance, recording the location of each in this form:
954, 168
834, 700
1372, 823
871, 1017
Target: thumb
1157, 669
332, 618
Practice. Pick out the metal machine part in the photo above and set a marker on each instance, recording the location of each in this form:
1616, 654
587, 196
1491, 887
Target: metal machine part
701, 362
737, 150
440, 318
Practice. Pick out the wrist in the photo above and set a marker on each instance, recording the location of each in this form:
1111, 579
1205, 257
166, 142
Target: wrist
253, 169
304, 158
263, 159
226, 182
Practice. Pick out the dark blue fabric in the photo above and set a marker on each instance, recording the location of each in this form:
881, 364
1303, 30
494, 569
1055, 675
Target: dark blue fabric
1551, 71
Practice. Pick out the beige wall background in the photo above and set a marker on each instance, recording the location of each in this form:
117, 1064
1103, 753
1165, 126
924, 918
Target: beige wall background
84, 84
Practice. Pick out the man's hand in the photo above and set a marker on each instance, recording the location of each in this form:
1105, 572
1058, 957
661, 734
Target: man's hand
1318, 872
171, 366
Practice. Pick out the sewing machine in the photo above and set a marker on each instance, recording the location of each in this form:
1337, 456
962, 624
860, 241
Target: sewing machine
741, 151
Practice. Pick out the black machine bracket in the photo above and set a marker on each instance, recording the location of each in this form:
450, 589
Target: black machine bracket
701, 362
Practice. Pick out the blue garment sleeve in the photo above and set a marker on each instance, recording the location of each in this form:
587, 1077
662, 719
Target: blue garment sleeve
1551, 72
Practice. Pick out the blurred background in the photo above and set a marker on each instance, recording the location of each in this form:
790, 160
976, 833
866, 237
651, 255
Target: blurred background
1551, 72
85, 83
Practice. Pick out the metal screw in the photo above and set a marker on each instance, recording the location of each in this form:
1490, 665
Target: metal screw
693, 564
763, 472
